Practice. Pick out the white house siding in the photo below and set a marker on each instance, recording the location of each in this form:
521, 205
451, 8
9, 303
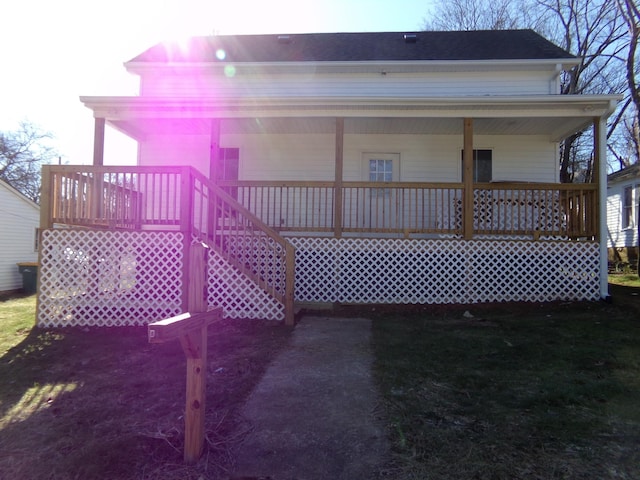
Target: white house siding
19, 219
284, 157
434, 84
427, 158
175, 150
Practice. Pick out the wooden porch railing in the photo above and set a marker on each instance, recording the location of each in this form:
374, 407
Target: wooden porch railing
180, 198
505, 208
175, 198
554, 210
112, 197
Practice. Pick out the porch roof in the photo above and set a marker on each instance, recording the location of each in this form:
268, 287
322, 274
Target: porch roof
553, 115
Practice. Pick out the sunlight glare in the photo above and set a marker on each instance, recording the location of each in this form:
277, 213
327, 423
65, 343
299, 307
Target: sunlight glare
35, 399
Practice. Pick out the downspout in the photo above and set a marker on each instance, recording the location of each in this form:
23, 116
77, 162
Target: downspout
600, 131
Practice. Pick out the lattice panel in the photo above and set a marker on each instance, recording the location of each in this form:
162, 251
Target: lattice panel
444, 271
262, 256
109, 278
238, 296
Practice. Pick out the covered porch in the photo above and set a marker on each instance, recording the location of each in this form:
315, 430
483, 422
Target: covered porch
278, 242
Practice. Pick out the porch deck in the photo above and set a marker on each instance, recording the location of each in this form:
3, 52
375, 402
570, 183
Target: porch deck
125, 258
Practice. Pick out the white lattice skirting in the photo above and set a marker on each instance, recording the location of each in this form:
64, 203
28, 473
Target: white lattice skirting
398, 271
105, 278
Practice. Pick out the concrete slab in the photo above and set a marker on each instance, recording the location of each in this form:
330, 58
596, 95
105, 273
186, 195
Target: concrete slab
316, 413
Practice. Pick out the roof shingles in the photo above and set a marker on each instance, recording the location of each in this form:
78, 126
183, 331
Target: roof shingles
351, 47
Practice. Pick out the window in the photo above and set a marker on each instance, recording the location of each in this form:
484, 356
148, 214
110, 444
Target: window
380, 170
36, 240
227, 168
482, 160
627, 207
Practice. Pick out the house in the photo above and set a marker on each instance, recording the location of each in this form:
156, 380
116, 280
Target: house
623, 208
20, 219
352, 168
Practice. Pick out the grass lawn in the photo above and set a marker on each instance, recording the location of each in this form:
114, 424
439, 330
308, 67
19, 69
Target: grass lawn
514, 392
625, 279
103, 403
535, 392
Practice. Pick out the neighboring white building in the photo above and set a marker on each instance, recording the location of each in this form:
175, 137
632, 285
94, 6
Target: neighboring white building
20, 218
623, 207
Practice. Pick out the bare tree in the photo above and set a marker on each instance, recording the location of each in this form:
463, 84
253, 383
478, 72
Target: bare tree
590, 29
22, 153
631, 15
475, 15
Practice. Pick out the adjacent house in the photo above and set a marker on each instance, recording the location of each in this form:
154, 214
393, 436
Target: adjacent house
351, 168
623, 208
20, 219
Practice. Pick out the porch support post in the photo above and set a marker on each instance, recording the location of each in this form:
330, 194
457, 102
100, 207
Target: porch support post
467, 179
47, 200
186, 208
98, 142
214, 150
337, 184
214, 171
600, 176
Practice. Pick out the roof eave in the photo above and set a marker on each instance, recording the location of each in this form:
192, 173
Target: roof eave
137, 67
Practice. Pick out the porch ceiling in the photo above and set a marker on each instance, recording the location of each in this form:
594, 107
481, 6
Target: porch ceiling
555, 116
555, 128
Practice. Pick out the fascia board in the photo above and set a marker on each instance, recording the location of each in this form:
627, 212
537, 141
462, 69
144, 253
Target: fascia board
359, 66
538, 105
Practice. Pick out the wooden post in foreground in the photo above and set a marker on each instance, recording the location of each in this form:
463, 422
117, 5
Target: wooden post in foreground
191, 329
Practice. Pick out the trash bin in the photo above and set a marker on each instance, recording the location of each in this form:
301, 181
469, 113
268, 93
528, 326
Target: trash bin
29, 271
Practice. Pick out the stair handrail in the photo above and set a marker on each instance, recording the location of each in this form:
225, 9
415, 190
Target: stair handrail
217, 217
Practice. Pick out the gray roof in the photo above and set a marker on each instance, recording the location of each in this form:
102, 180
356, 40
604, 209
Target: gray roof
350, 47
628, 173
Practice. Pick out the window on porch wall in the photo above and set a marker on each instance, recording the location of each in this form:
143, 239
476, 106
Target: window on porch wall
482, 165
380, 170
227, 168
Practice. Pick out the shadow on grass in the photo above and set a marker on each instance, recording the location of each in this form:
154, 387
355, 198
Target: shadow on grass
513, 392
103, 403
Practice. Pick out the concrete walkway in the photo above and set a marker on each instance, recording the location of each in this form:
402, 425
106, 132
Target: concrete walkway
316, 412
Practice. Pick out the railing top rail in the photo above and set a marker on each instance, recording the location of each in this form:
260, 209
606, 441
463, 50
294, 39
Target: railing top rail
424, 185
271, 233
535, 186
114, 169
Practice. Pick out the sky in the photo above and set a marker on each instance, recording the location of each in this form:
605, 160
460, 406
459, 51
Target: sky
53, 52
